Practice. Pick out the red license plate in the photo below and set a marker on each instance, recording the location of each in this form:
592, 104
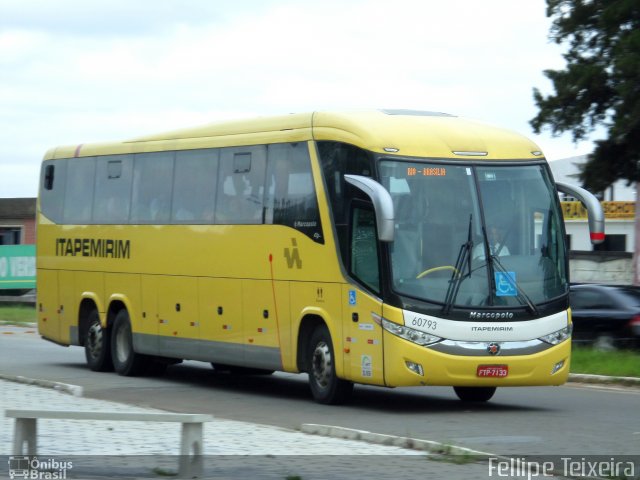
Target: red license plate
499, 371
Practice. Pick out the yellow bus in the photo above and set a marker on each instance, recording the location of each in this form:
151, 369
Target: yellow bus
387, 247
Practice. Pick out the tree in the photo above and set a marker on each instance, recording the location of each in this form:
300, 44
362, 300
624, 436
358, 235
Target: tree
600, 85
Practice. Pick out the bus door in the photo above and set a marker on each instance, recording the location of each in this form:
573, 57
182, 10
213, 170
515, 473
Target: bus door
363, 343
363, 336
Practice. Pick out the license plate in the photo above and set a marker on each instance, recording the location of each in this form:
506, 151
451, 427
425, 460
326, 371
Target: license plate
499, 371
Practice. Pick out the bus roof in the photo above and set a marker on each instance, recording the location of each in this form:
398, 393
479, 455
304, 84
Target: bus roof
401, 132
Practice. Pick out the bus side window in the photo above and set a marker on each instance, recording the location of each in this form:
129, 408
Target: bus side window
338, 159
291, 196
78, 198
152, 185
113, 189
194, 187
240, 192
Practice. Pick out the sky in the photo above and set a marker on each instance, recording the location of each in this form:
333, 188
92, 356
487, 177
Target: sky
78, 71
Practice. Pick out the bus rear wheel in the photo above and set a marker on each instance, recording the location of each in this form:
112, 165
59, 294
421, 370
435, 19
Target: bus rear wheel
126, 361
325, 385
97, 348
474, 394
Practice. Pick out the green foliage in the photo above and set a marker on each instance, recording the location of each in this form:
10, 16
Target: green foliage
17, 314
599, 86
619, 363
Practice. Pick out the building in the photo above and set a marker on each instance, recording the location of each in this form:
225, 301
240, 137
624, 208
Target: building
611, 261
17, 221
618, 202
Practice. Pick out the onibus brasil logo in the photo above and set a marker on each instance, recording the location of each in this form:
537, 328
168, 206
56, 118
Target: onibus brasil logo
33, 468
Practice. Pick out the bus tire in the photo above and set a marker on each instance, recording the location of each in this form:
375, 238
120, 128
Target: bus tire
325, 385
97, 344
126, 361
474, 394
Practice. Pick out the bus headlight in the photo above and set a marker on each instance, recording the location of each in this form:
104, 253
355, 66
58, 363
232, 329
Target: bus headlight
558, 336
415, 336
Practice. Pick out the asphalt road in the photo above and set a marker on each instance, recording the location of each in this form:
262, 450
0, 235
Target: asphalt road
570, 420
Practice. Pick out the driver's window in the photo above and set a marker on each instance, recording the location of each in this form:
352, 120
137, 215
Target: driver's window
364, 248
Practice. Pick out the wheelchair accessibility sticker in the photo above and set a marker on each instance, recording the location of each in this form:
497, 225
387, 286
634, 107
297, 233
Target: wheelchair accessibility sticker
352, 297
506, 284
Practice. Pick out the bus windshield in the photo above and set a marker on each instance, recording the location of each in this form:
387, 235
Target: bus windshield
475, 235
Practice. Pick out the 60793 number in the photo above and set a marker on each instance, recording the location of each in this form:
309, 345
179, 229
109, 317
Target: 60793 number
424, 323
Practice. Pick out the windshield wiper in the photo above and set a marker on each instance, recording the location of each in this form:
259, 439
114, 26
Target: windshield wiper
464, 256
520, 293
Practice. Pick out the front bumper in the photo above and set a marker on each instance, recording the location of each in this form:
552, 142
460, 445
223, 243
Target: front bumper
547, 367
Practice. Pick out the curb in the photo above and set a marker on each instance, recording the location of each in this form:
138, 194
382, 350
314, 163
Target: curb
429, 446
604, 380
75, 390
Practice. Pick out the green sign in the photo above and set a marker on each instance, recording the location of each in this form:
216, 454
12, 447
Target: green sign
17, 267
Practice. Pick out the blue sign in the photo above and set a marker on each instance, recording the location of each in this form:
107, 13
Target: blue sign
352, 297
506, 284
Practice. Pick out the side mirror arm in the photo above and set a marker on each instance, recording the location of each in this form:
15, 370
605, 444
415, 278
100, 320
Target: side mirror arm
594, 210
382, 204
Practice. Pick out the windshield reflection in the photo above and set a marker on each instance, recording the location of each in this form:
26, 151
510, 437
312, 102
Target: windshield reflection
484, 215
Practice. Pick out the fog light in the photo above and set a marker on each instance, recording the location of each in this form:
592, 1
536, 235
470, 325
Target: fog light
557, 367
415, 367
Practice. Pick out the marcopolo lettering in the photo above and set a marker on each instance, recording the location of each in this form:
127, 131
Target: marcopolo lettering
490, 315
93, 247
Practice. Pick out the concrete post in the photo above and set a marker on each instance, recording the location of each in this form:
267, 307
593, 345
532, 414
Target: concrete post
191, 463
25, 433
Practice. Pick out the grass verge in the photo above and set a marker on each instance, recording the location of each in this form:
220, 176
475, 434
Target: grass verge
618, 363
17, 315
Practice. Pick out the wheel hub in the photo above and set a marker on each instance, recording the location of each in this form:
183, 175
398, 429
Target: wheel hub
123, 346
94, 340
321, 365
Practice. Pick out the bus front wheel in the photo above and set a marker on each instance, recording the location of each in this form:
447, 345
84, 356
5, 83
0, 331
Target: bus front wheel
125, 360
474, 394
97, 348
325, 385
